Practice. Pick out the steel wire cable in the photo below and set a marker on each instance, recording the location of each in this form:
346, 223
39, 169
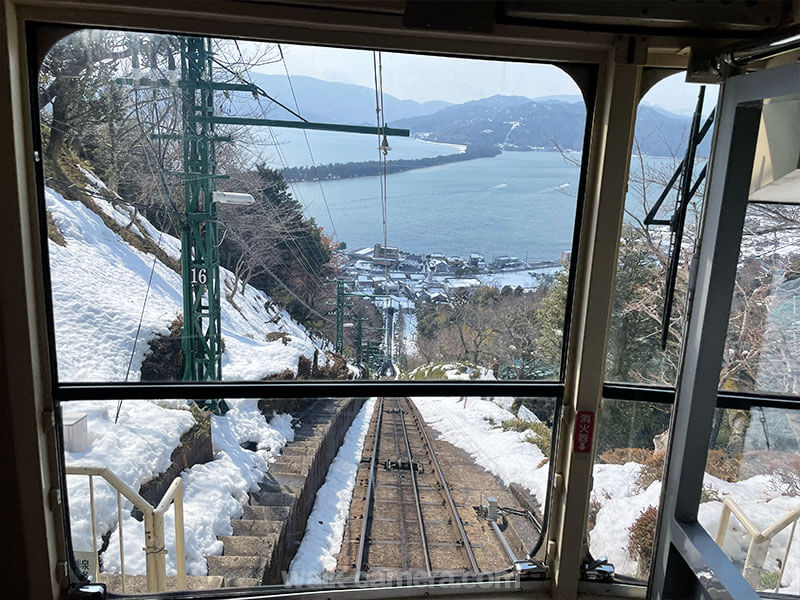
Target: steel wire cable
300, 256
284, 166
165, 190
308, 145
381, 122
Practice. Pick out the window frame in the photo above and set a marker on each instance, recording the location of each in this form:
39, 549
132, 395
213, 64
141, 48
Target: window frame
684, 549
667, 395
41, 37
44, 36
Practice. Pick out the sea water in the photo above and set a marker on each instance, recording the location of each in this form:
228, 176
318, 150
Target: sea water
288, 147
519, 204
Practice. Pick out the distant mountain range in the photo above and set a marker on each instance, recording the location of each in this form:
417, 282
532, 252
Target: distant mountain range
519, 123
508, 122
329, 102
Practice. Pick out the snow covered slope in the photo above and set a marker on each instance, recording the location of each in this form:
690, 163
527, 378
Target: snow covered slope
100, 270
100, 282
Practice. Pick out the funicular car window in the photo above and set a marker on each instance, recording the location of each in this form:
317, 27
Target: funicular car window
224, 213
750, 475
642, 362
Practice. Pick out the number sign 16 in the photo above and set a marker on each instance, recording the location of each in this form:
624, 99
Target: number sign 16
199, 276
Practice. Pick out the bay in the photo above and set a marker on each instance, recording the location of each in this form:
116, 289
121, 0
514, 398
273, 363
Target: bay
517, 203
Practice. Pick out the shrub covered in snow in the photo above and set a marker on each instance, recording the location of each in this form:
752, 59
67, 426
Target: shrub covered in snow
640, 544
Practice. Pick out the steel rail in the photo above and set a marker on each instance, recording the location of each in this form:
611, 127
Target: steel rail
417, 499
402, 519
504, 542
178, 390
448, 496
362, 542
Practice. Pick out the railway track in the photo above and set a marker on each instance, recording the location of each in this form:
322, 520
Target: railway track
407, 520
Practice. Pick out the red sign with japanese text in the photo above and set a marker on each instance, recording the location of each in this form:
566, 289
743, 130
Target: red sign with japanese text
584, 430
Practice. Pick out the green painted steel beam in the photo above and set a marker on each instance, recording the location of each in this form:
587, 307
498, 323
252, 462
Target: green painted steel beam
304, 125
166, 83
178, 136
195, 175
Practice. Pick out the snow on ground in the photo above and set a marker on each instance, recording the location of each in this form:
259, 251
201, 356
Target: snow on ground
762, 501
317, 554
451, 371
527, 415
472, 424
409, 334
99, 283
527, 280
621, 503
214, 492
99, 286
136, 449
467, 424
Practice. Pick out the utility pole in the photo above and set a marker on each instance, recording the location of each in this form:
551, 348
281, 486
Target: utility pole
341, 303
339, 346
359, 337
389, 328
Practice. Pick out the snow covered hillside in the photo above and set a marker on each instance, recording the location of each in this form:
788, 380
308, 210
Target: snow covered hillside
621, 501
100, 291
101, 271
137, 448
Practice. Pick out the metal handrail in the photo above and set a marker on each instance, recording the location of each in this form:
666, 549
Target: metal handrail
759, 540
154, 549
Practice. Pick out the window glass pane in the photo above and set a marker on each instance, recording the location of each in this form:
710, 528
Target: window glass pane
762, 350
753, 467
663, 126
190, 239
752, 484
274, 490
629, 464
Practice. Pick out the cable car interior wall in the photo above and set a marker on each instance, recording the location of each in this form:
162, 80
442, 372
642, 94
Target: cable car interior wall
613, 53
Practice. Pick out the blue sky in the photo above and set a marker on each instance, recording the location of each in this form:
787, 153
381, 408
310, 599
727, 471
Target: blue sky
423, 78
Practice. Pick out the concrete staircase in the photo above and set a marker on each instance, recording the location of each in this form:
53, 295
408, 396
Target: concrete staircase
266, 538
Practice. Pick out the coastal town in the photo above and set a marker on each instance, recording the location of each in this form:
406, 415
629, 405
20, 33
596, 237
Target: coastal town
434, 277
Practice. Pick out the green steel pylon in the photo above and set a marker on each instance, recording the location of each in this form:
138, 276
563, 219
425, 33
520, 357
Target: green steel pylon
201, 338
359, 338
339, 346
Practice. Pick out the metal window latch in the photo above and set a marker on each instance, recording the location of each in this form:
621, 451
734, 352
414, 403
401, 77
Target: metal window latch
598, 569
529, 569
92, 591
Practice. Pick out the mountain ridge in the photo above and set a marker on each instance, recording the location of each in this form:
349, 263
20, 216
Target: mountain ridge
519, 123
332, 102
510, 122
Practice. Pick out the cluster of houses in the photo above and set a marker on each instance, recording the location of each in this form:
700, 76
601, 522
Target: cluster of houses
428, 278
